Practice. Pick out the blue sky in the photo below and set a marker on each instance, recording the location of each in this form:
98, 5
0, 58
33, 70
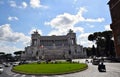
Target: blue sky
19, 18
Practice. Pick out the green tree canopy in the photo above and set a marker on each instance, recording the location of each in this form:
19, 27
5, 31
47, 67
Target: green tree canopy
104, 42
91, 37
2, 53
18, 53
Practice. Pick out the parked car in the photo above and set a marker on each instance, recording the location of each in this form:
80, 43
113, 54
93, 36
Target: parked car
6, 64
23, 62
69, 60
1, 69
15, 63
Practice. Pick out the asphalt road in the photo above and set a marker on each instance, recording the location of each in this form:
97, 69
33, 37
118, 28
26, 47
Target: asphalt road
113, 70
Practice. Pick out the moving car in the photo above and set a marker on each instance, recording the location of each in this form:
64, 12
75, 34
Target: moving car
95, 61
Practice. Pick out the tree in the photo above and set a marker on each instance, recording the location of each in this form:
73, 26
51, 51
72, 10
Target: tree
2, 53
93, 51
104, 43
109, 45
2, 57
88, 51
91, 37
18, 53
8, 57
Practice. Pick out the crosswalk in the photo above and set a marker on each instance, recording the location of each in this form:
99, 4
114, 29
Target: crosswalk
12, 74
21, 75
16, 75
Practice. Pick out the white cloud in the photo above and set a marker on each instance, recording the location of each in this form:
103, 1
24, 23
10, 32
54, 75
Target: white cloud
83, 40
66, 20
9, 49
13, 4
22, 5
10, 18
95, 20
33, 4
63, 22
107, 27
36, 4
10, 39
6, 34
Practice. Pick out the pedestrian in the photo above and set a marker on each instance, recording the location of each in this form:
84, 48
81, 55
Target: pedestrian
86, 61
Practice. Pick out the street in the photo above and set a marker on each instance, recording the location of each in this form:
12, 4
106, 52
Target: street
112, 70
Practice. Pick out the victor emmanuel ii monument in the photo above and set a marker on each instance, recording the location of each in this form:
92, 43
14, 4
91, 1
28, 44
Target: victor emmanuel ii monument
53, 47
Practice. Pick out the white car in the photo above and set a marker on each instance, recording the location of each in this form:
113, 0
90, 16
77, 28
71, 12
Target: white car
1, 69
16, 63
6, 64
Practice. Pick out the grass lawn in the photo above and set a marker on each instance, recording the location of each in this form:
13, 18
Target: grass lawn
49, 69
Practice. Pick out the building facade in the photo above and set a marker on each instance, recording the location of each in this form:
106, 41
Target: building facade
53, 47
114, 6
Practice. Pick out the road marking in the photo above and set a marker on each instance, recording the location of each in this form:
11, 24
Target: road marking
33, 76
60, 76
23, 75
16, 75
9, 73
